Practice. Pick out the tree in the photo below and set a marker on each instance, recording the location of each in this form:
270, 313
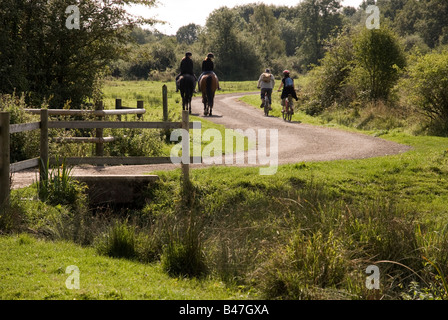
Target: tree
379, 58
41, 56
188, 34
319, 19
427, 83
329, 82
406, 19
236, 57
266, 33
433, 25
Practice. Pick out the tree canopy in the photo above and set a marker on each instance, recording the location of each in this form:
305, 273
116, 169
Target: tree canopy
51, 62
48, 61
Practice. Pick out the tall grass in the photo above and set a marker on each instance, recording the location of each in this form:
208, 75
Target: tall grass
58, 187
293, 237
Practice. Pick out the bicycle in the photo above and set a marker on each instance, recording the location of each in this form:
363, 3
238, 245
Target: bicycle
288, 109
266, 104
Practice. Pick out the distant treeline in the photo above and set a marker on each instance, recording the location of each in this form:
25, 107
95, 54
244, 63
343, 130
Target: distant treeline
248, 38
59, 66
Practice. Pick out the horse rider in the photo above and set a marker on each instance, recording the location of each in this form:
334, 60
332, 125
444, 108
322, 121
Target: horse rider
186, 67
266, 83
207, 68
288, 88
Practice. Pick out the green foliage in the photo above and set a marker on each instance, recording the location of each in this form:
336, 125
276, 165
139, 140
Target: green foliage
266, 30
426, 84
24, 145
34, 269
307, 232
51, 62
58, 187
329, 81
236, 58
318, 20
134, 142
119, 242
184, 259
359, 67
379, 59
188, 34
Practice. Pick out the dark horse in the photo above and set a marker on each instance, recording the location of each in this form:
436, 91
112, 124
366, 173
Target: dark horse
208, 85
187, 83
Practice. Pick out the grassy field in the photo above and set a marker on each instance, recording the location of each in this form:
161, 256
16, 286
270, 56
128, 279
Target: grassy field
151, 93
34, 269
307, 232
335, 217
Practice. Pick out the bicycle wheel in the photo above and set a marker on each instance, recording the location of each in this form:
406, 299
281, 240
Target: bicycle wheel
289, 115
285, 110
266, 106
290, 109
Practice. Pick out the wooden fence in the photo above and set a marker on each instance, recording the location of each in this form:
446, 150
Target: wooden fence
6, 129
100, 114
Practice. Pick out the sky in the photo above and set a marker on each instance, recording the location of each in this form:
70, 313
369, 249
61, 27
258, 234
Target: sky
179, 13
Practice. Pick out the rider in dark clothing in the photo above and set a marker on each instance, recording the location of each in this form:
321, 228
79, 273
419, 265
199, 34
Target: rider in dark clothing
207, 64
186, 67
207, 67
288, 89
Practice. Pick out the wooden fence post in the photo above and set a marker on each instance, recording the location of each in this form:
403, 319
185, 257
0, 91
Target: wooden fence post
4, 159
165, 102
140, 106
99, 147
117, 107
186, 149
43, 173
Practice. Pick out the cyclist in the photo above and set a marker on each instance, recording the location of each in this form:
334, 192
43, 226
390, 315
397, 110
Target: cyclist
288, 89
266, 83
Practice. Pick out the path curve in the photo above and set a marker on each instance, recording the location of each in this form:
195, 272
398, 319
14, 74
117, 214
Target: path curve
297, 142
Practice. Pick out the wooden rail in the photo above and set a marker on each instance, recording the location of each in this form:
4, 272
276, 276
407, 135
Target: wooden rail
96, 113
6, 129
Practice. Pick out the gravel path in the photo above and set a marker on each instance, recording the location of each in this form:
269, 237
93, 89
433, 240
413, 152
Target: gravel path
297, 142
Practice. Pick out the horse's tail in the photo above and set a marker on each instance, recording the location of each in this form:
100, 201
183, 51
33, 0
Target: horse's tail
209, 84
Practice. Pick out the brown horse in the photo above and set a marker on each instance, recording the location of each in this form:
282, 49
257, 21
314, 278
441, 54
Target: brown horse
208, 85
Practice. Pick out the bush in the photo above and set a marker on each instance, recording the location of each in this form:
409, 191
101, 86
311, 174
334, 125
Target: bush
329, 80
59, 188
119, 242
135, 142
24, 145
184, 259
427, 83
379, 59
330, 249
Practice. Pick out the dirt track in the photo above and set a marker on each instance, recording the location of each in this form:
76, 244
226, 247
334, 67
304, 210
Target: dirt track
297, 142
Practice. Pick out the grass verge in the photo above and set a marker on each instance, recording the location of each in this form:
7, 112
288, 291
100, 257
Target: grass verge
32, 269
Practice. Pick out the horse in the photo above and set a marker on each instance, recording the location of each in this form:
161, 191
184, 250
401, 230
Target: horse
187, 83
208, 85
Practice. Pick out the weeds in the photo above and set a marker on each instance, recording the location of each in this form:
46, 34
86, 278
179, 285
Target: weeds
57, 186
119, 242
